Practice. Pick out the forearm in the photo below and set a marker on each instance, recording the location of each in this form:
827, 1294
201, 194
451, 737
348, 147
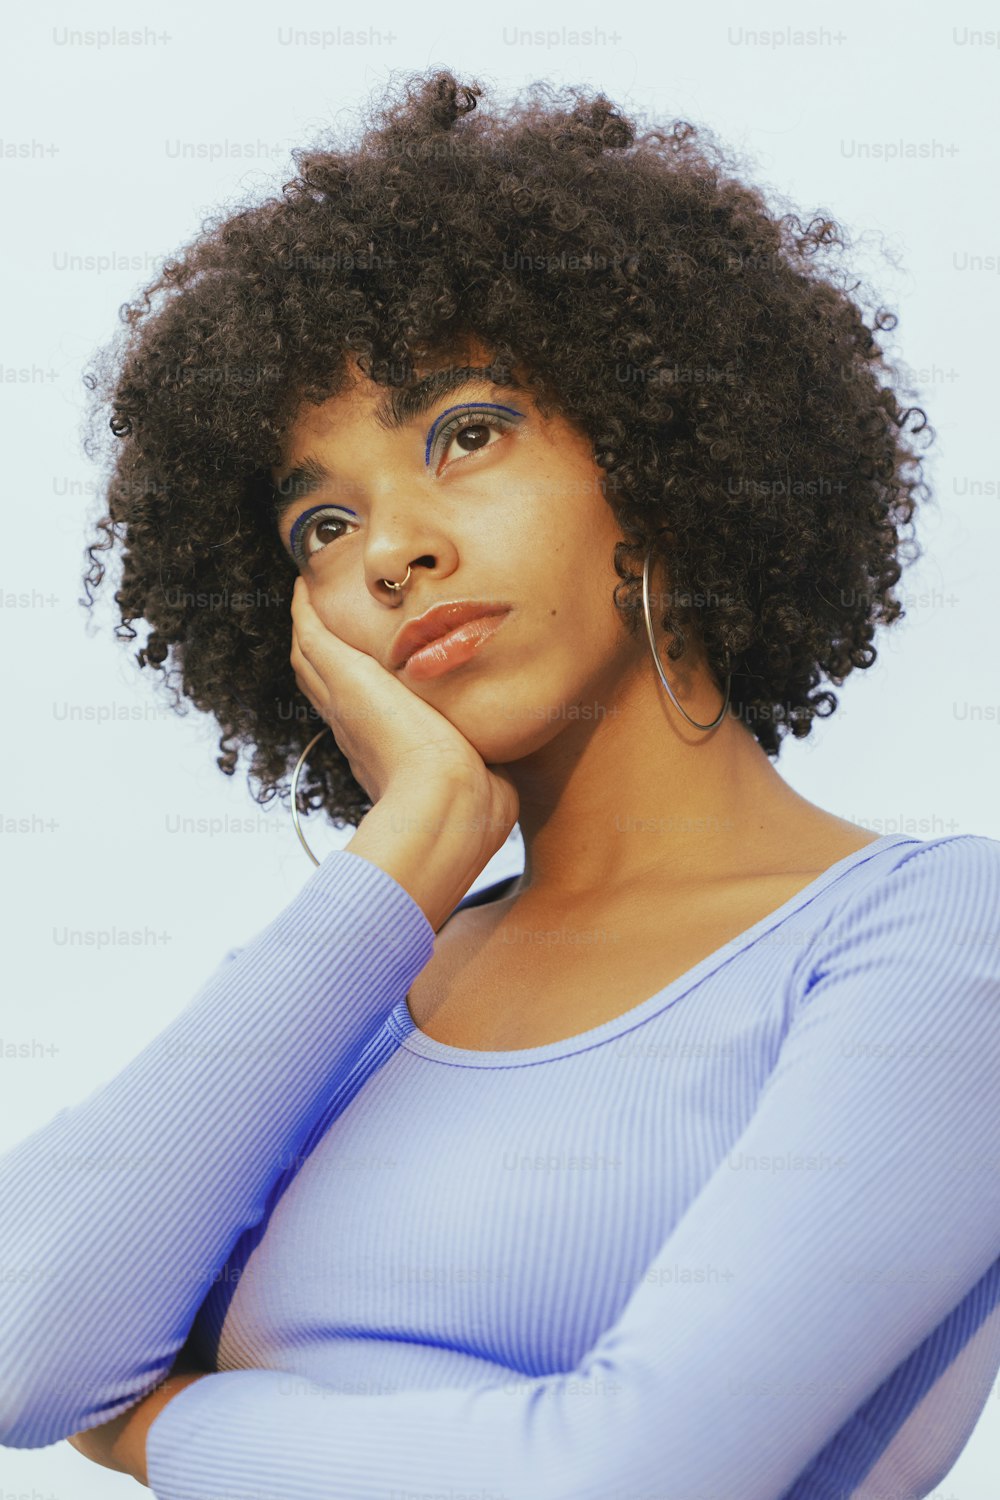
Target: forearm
207, 1116
121, 1443
205, 1120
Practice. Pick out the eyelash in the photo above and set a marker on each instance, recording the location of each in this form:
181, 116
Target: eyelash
472, 417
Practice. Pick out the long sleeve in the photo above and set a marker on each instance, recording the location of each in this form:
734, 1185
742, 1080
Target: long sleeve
118, 1211
878, 1212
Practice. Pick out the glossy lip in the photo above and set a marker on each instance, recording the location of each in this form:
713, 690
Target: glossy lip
437, 621
452, 650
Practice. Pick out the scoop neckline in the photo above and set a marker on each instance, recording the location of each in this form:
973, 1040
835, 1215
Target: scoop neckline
410, 1036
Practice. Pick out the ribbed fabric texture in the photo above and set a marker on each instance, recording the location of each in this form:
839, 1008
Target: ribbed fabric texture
739, 1243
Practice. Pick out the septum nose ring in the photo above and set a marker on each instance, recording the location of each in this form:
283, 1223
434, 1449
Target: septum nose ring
398, 585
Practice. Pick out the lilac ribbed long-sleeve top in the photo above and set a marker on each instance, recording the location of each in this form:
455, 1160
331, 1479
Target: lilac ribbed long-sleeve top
741, 1242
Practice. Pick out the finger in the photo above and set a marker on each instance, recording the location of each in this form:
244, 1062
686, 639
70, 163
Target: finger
327, 652
302, 604
316, 695
308, 652
316, 640
309, 680
309, 634
304, 617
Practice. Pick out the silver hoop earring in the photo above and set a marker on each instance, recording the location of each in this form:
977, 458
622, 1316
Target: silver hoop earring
295, 784
656, 658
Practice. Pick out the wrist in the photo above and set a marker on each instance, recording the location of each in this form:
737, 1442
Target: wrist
433, 840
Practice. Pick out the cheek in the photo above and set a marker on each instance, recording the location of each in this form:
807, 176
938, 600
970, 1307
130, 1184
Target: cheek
338, 616
584, 639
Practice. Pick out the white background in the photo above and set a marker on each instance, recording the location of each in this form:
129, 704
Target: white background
916, 737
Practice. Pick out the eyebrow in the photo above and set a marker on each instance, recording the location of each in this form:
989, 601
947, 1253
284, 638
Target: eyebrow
393, 412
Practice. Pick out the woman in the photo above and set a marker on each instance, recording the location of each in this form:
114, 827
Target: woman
668, 1167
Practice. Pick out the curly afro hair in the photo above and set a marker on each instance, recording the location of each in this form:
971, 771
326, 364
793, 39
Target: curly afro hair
737, 402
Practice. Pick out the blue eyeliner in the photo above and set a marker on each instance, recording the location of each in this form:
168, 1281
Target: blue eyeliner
465, 406
301, 520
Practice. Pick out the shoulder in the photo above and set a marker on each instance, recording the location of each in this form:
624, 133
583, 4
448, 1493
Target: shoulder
949, 869
923, 908
955, 847
950, 863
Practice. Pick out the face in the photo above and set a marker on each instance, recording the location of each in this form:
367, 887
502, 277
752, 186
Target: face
485, 500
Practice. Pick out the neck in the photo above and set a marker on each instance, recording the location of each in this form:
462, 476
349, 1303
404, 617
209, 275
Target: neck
637, 795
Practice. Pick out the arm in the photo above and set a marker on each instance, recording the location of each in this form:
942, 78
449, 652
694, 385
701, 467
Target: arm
117, 1213
889, 1064
121, 1443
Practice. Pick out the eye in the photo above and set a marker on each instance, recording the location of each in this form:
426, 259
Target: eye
314, 530
470, 430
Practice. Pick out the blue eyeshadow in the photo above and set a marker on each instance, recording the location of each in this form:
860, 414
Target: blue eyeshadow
465, 406
301, 520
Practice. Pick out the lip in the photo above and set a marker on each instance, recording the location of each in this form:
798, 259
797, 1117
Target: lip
449, 651
440, 620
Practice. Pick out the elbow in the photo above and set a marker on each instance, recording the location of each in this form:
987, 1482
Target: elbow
46, 1396
22, 1415
34, 1368
585, 1423
23, 1424
31, 1415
